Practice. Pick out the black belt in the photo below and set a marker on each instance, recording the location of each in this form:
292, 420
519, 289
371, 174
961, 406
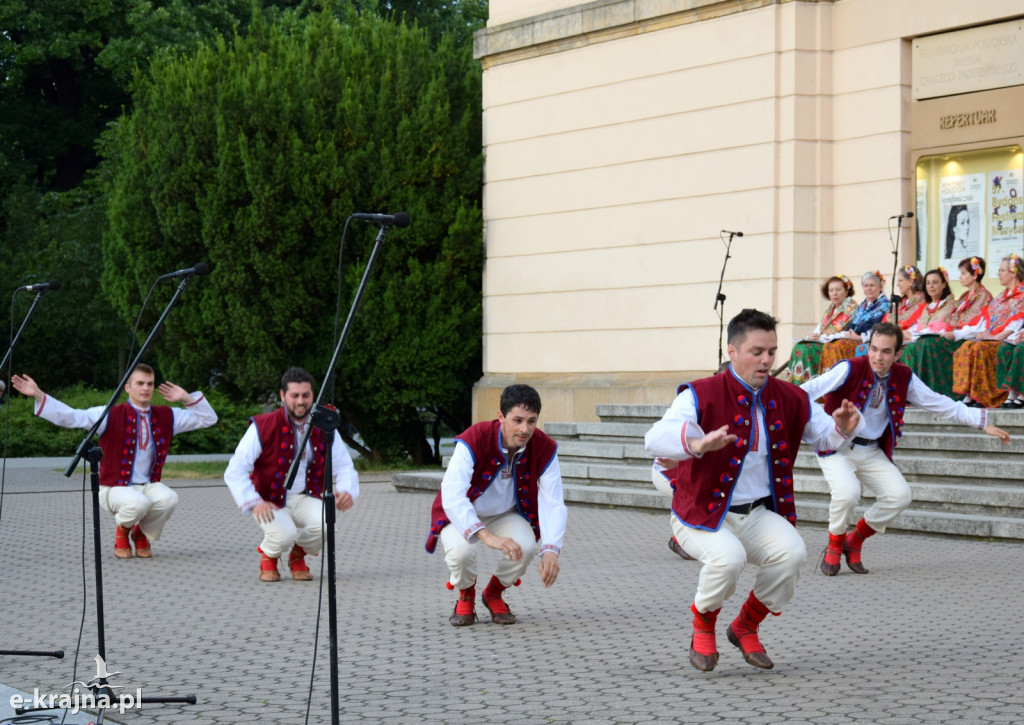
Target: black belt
864, 441
746, 508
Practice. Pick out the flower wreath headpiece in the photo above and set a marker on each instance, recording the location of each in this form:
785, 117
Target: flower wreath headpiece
846, 283
911, 272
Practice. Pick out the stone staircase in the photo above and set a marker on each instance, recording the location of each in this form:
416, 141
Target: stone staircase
964, 483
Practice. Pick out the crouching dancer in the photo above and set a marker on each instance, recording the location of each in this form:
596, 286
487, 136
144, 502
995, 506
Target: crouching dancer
503, 487
135, 438
291, 517
737, 434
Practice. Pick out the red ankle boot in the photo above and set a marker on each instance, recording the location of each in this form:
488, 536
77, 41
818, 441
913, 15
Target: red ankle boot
500, 613
142, 549
834, 550
743, 633
853, 544
703, 648
268, 568
297, 564
122, 544
465, 608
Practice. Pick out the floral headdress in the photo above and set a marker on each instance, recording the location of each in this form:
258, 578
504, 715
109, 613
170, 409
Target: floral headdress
881, 279
1014, 261
975, 265
846, 283
945, 274
911, 272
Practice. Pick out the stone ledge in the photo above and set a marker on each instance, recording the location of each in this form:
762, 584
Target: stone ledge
599, 21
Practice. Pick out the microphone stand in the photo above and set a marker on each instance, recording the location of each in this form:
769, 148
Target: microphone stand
59, 654
93, 453
326, 418
895, 299
720, 299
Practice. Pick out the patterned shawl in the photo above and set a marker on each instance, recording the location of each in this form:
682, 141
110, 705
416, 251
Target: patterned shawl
1004, 309
969, 306
867, 314
835, 318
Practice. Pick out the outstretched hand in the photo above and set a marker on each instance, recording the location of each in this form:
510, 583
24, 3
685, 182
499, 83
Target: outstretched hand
26, 386
716, 440
846, 417
175, 394
998, 433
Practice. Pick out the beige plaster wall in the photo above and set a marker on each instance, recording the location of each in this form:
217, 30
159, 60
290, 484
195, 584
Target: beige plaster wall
612, 165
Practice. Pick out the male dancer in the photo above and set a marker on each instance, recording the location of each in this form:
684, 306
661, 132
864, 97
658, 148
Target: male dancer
737, 434
503, 487
135, 438
291, 518
880, 387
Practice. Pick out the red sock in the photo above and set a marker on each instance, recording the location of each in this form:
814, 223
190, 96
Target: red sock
752, 613
492, 596
835, 548
855, 539
466, 598
704, 631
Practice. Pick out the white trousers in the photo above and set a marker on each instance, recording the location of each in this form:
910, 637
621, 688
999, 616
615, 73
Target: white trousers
762, 538
661, 483
863, 467
147, 504
299, 522
460, 555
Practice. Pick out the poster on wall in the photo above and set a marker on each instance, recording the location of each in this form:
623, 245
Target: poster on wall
960, 207
1005, 215
921, 223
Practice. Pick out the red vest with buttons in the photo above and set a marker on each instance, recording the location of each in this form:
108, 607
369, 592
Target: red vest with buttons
857, 390
278, 439
484, 441
704, 486
121, 437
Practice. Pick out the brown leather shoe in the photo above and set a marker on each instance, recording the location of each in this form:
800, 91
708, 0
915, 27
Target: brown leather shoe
855, 566
677, 549
122, 544
755, 658
500, 613
142, 548
704, 663
828, 569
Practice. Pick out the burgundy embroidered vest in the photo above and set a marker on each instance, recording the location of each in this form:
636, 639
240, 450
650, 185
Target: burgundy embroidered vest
484, 441
121, 437
857, 388
704, 486
278, 439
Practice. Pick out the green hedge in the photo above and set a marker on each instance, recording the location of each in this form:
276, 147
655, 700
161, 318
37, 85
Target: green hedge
30, 437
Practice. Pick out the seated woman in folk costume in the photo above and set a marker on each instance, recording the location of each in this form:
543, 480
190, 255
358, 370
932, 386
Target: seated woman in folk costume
868, 313
805, 362
910, 283
930, 356
974, 363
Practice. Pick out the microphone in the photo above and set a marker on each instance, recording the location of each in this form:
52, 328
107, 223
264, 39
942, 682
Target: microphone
400, 220
735, 234
907, 215
200, 269
52, 284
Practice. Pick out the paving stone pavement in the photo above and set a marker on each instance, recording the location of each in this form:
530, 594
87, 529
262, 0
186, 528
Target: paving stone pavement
929, 636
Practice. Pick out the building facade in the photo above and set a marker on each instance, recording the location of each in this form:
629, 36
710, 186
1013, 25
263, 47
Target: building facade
623, 136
